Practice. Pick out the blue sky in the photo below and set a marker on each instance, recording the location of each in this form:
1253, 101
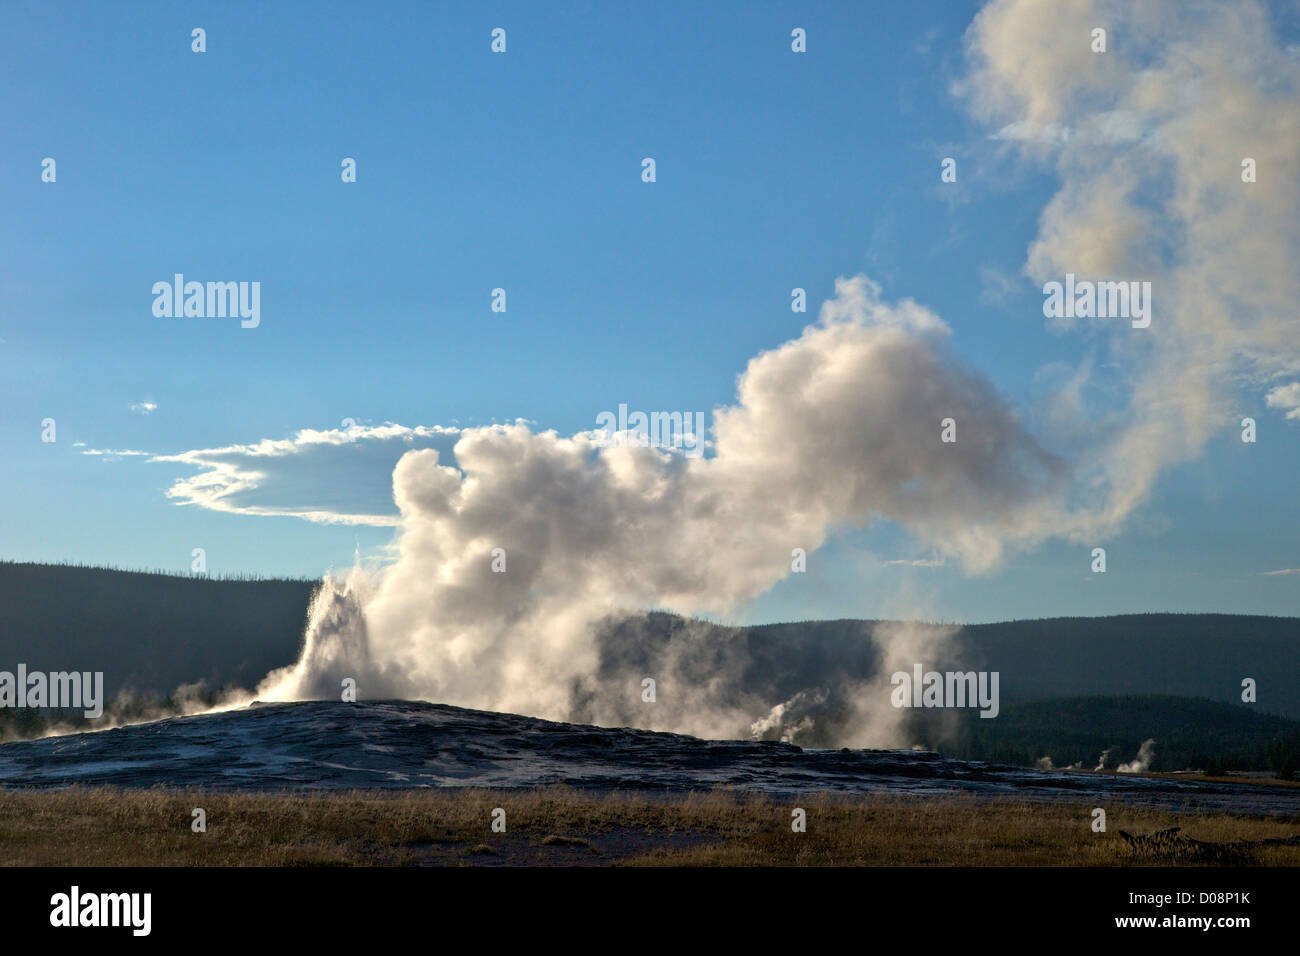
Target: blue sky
522, 171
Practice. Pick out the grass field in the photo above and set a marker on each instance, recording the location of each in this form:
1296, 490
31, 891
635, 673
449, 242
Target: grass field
108, 827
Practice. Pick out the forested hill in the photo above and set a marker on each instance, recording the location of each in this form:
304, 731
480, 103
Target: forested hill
1184, 655
152, 632
148, 632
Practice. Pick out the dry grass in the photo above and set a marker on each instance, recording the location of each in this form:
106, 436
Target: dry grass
108, 827
1236, 778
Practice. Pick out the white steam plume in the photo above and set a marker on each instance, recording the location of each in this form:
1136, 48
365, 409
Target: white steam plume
1139, 764
837, 427
1151, 170
841, 426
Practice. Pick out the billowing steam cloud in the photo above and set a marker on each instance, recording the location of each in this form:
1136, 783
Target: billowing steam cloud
841, 426
837, 427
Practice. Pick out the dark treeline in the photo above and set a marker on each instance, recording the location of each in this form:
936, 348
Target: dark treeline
152, 632
152, 572
1188, 733
149, 632
1183, 655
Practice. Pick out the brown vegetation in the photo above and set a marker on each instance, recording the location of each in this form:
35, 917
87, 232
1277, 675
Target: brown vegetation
107, 827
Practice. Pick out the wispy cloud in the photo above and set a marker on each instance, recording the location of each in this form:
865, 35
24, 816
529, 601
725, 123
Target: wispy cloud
144, 408
1283, 571
109, 454
1225, 318
996, 286
1023, 132
331, 476
1285, 396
